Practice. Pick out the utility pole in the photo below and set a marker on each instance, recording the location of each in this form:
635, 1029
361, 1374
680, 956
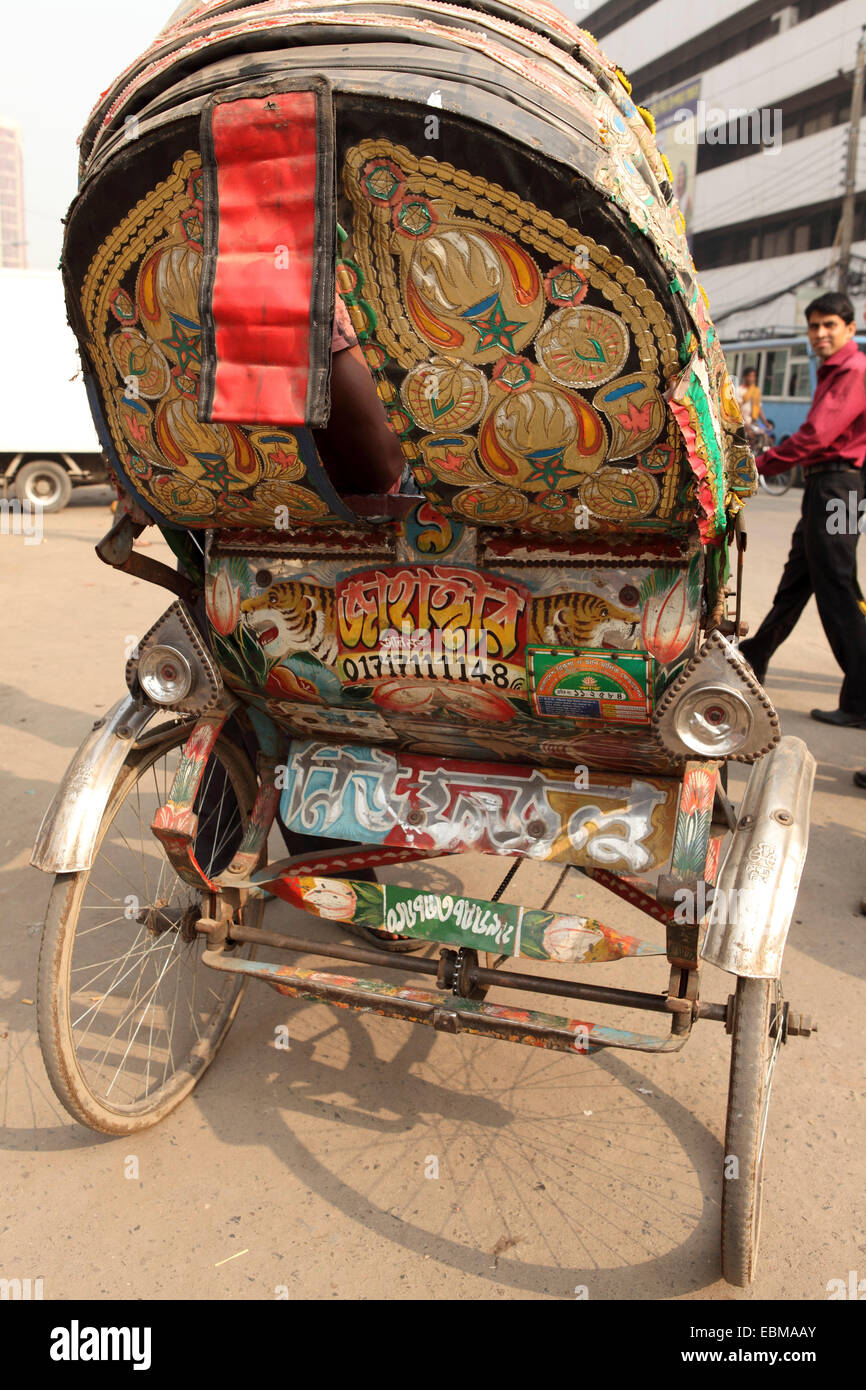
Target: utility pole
846, 223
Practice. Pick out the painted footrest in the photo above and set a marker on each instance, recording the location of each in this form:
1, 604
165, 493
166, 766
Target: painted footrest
506, 928
450, 1014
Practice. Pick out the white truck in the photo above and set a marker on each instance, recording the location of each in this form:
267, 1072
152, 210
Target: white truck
48, 443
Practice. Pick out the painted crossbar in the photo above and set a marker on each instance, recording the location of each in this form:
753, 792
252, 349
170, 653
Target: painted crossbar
508, 929
445, 1012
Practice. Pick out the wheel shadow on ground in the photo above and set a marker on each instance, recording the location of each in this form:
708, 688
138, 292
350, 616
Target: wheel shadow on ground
28, 1104
588, 1163
611, 1191
91, 495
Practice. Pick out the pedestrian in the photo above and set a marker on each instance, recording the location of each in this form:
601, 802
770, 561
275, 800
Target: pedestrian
749, 396
830, 446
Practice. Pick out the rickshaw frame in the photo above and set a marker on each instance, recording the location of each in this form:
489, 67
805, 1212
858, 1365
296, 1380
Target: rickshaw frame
768, 844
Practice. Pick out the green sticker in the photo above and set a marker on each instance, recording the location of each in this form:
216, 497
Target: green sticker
464, 921
590, 684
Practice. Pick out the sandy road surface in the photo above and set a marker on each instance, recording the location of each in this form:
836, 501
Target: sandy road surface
310, 1165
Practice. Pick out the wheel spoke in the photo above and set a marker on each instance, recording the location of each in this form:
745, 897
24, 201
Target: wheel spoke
771, 1066
147, 951
131, 1029
171, 959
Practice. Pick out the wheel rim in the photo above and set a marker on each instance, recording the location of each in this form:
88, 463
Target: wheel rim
741, 1224
778, 485
42, 488
143, 1011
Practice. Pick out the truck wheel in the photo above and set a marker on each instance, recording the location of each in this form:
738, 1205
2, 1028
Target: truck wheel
45, 484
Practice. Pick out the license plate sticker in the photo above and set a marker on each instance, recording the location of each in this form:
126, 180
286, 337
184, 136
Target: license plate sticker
595, 684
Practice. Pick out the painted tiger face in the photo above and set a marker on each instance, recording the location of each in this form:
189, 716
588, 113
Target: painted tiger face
581, 620
292, 616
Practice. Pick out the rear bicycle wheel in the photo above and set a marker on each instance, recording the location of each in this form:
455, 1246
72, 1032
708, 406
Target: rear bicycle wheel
757, 1032
129, 1019
780, 484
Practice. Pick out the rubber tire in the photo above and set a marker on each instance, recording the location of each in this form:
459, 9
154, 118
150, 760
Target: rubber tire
751, 1049
58, 1051
24, 479
780, 484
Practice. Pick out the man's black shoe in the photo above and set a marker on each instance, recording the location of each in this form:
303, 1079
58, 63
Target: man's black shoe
841, 718
860, 780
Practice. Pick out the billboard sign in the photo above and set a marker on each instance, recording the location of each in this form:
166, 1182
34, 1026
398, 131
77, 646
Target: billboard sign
676, 115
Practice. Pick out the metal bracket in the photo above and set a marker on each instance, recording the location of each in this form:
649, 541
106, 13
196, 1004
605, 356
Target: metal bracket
446, 1021
742, 543
724, 811
681, 938
115, 549
176, 628
683, 997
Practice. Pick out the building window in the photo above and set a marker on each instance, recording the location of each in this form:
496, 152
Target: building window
727, 39
821, 108
799, 381
822, 121
774, 372
776, 236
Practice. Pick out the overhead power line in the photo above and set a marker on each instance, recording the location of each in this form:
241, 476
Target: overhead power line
774, 188
814, 278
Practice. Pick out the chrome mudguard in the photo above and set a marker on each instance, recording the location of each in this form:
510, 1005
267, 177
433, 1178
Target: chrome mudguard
67, 835
757, 887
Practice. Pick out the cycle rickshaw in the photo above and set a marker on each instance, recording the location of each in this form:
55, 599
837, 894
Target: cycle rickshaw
529, 651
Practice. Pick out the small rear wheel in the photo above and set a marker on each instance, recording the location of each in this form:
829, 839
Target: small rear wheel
44, 484
758, 1021
129, 1017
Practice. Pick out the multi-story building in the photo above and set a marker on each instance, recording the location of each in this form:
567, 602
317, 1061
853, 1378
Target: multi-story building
753, 101
13, 242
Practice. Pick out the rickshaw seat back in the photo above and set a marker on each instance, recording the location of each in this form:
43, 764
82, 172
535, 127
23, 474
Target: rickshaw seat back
493, 210
478, 186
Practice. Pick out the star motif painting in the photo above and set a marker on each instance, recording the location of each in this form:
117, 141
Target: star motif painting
494, 328
185, 345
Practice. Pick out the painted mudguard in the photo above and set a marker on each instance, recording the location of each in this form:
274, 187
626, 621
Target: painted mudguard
757, 888
67, 836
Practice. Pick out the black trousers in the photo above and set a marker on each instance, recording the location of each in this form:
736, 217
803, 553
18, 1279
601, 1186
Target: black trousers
823, 562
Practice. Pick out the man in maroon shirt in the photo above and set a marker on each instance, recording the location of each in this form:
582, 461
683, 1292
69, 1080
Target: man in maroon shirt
830, 446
